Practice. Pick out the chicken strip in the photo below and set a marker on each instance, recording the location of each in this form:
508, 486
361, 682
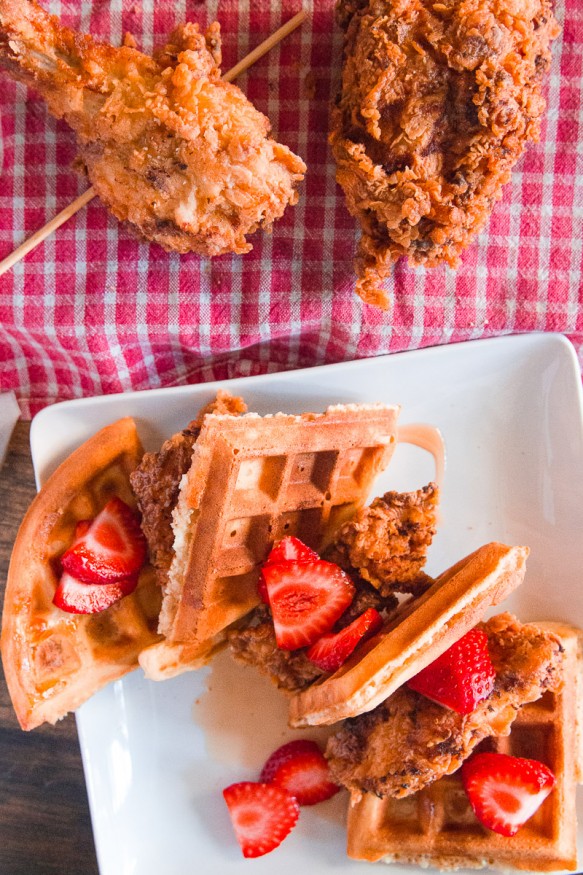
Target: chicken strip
437, 103
169, 147
387, 542
408, 741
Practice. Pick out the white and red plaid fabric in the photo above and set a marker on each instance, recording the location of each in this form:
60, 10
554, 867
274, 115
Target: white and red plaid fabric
94, 311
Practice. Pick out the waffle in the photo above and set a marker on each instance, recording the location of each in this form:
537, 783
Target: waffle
252, 481
456, 601
437, 827
54, 660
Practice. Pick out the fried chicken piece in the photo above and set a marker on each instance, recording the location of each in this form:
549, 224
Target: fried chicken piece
156, 482
437, 103
254, 644
169, 147
387, 542
383, 550
409, 741
253, 641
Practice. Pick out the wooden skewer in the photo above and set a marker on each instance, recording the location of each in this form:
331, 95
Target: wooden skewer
88, 195
266, 46
38, 236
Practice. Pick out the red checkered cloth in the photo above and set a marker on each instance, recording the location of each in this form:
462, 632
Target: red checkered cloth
94, 311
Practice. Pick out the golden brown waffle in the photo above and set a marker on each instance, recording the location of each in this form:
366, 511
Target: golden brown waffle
453, 605
254, 480
54, 660
437, 827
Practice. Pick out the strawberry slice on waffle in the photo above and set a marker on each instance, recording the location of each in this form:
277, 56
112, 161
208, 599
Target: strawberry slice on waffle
505, 791
289, 549
306, 599
333, 649
112, 546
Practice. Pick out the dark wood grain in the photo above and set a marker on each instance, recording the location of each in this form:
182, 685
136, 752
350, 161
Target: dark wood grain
44, 816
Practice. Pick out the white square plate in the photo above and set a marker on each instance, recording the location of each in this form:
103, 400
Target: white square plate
157, 756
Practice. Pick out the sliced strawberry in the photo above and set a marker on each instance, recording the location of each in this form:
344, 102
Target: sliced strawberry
81, 529
262, 589
262, 815
113, 547
505, 791
77, 597
283, 754
461, 677
306, 599
289, 549
305, 774
331, 650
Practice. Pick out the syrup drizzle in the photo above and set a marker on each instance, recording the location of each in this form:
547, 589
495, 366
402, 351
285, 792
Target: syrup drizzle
428, 438
244, 717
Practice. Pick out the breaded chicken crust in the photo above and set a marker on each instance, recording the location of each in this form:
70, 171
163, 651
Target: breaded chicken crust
387, 542
437, 103
253, 641
409, 741
383, 549
169, 146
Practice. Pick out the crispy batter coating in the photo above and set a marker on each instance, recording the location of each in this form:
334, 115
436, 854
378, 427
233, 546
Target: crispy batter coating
438, 101
387, 542
409, 741
170, 148
156, 482
253, 642
383, 549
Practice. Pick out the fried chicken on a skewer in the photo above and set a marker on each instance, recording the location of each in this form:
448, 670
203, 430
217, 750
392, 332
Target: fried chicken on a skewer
169, 147
438, 100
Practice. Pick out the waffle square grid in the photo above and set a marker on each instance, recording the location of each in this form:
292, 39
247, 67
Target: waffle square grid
255, 480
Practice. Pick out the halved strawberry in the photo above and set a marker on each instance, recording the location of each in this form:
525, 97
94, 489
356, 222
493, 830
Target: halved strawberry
81, 529
461, 677
262, 589
262, 815
505, 791
303, 772
306, 599
283, 754
289, 549
112, 548
77, 597
332, 649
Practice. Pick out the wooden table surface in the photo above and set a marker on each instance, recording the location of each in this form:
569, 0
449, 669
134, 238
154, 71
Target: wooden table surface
44, 817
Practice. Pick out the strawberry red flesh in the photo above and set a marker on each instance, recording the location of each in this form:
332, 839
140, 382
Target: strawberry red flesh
283, 754
333, 649
306, 599
77, 597
461, 677
81, 529
262, 589
262, 815
113, 546
305, 774
289, 549
505, 791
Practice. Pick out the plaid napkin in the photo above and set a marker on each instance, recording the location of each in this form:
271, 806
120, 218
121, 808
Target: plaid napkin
93, 310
